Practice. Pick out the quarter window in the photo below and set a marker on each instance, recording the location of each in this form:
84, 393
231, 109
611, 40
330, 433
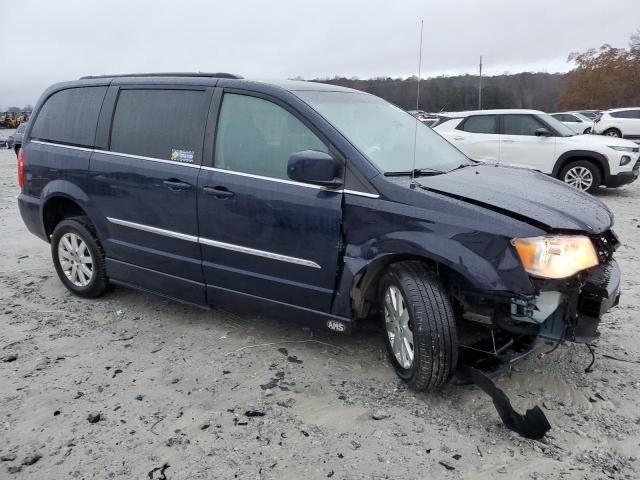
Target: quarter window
626, 114
481, 124
164, 124
70, 116
521, 125
257, 136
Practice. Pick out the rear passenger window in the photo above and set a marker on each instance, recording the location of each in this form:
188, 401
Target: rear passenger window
481, 124
70, 116
521, 125
257, 136
163, 124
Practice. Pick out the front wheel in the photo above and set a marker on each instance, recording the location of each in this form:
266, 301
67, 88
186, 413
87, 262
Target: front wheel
419, 325
78, 258
582, 175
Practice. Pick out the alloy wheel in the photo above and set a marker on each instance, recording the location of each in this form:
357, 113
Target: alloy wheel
75, 259
398, 326
580, 178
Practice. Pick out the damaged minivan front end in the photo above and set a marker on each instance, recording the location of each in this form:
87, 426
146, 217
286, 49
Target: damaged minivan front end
568, 308
519, 269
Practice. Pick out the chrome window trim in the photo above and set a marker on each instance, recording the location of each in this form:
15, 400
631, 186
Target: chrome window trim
291, 182
62, 145
212, 169
272, 179
362, 194
215, 243
151, 159
120, 154
156, 230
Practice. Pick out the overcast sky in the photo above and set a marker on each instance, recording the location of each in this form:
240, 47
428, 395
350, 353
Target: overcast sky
46, 41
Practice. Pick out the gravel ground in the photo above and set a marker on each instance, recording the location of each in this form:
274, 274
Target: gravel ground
135, 386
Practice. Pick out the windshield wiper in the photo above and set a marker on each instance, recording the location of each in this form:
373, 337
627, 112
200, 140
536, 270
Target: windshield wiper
417, 172
464, 165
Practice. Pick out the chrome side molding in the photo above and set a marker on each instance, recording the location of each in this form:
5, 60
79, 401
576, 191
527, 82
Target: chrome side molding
214, 243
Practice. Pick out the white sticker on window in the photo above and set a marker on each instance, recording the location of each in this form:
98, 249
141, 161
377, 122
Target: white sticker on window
182, 155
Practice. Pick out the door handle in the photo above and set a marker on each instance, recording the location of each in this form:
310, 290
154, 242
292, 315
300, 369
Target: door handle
458, 138
508, 141
176, 185
218, 192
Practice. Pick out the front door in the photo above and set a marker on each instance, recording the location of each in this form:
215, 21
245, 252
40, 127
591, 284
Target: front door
521, 147
262, 234
144, 188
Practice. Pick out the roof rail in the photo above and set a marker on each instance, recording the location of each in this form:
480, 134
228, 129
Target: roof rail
168, 74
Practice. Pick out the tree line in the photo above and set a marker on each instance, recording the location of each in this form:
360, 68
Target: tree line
602, 78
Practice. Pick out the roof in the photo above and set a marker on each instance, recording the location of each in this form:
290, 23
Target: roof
623, 109
211, 78
505, 111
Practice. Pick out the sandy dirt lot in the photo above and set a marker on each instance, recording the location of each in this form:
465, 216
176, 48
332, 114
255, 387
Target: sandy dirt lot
133, 386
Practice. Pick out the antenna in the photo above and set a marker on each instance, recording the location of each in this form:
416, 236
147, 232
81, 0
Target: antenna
415, 131
480, 86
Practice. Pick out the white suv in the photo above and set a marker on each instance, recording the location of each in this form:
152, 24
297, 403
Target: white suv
619, 122
536, 140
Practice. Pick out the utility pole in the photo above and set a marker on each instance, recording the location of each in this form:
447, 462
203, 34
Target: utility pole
480, 86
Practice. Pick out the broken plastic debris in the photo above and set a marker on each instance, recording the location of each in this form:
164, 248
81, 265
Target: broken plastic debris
533, 424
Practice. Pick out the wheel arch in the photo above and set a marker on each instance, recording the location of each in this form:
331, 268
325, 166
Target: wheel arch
479, 262
574, 155
61, 199
366, 282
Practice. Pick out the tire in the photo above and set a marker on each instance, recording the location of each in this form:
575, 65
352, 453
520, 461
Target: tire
613, 132
587, 131
63, 242
430, 320
582, 175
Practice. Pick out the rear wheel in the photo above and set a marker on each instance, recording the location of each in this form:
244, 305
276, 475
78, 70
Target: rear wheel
587, 131
613, 132
79, 258
419, 325
582, 175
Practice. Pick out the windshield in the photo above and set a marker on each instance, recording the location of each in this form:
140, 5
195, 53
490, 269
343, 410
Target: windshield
582, 117
384, 133
556, 124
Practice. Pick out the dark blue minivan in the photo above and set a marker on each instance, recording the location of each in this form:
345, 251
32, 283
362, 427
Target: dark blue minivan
313, 200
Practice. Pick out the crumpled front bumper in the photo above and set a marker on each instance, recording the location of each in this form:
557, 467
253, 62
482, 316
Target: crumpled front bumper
578, 318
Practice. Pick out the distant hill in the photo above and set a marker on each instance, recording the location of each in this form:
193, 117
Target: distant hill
540, 91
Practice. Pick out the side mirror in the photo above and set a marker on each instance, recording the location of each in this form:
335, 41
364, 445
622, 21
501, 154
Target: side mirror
318, 168
543, 132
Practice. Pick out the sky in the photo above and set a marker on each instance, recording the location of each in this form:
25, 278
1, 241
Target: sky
48, 41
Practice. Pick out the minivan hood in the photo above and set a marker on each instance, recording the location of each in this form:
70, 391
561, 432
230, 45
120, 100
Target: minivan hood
525, 194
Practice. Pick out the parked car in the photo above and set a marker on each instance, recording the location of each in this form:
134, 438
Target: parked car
18, 136
620, 122
535, 140
319, 202
423, 116
590, 114
577, 122
6, 142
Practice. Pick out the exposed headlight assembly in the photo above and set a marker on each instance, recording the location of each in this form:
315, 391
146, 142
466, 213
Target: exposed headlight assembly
555, 256
621, 149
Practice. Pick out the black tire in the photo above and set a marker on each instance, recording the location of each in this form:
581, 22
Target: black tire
432, 322
82, 227
579, 164
613, 132
587, 131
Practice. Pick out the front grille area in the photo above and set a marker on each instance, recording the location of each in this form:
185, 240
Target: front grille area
605, 244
